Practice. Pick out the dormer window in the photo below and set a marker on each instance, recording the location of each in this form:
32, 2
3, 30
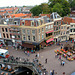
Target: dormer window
41, 21
23, 23
15, 22
32, 23
38, 22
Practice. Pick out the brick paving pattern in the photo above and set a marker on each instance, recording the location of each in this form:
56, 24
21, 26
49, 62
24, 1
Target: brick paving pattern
52, 64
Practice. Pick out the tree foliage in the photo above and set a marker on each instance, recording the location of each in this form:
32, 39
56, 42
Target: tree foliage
60, 6
72, 3
43, 8
36, 10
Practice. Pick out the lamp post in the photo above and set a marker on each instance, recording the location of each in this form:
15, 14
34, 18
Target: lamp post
13, 40
74, 44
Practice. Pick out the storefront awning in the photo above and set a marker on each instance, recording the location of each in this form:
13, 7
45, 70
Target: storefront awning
49, 31
49, 40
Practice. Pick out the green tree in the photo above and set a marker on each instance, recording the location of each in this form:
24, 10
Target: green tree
63, 4
72, 3
58, 8
43, 8
36, 10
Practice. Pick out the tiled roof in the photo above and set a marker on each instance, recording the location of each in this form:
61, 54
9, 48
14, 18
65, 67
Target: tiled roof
48, 15
19, 15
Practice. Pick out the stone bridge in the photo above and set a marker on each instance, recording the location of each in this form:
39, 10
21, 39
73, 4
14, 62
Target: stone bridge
36, 70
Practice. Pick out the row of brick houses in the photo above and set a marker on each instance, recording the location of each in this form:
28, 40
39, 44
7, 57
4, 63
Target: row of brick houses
34, 33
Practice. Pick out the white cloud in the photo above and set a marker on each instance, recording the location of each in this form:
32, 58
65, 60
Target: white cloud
21, 2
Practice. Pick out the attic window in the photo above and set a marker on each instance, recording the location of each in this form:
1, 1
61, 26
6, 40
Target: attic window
23, 23
32, 23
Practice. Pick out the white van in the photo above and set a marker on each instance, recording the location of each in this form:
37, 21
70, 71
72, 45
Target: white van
4, 53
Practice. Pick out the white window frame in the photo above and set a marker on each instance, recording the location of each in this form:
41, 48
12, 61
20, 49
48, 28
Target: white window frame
51, 26
43, 36
32, 22
32, 32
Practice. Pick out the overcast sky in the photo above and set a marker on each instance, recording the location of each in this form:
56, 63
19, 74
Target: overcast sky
21, 2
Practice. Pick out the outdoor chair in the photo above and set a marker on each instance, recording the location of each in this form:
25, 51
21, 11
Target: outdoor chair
10, 70
2, 68
5, 68
55, 51
6, 74
2, 73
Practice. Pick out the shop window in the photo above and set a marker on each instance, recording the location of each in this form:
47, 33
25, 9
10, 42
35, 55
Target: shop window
71, 30
3, 29
74, 30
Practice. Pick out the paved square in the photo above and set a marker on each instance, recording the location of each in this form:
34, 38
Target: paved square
52, 64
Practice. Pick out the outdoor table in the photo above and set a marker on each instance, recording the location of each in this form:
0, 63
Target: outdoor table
65, 55
69, 54
69, 58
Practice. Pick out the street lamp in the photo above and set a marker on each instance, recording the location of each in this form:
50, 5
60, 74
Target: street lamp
13, 37
74, 44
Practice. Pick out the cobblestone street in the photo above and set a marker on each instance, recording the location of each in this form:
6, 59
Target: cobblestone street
52, 64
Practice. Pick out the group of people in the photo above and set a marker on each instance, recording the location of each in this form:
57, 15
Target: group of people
52, 72
62, 62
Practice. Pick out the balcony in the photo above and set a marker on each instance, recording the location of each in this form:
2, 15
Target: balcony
15, 33
14, 29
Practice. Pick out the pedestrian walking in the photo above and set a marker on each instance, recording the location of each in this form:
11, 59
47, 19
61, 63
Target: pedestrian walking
50, 72
60, 57
63, 63
38, 55
46, 60
28, 53
63, 73
53, 72
61, 47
